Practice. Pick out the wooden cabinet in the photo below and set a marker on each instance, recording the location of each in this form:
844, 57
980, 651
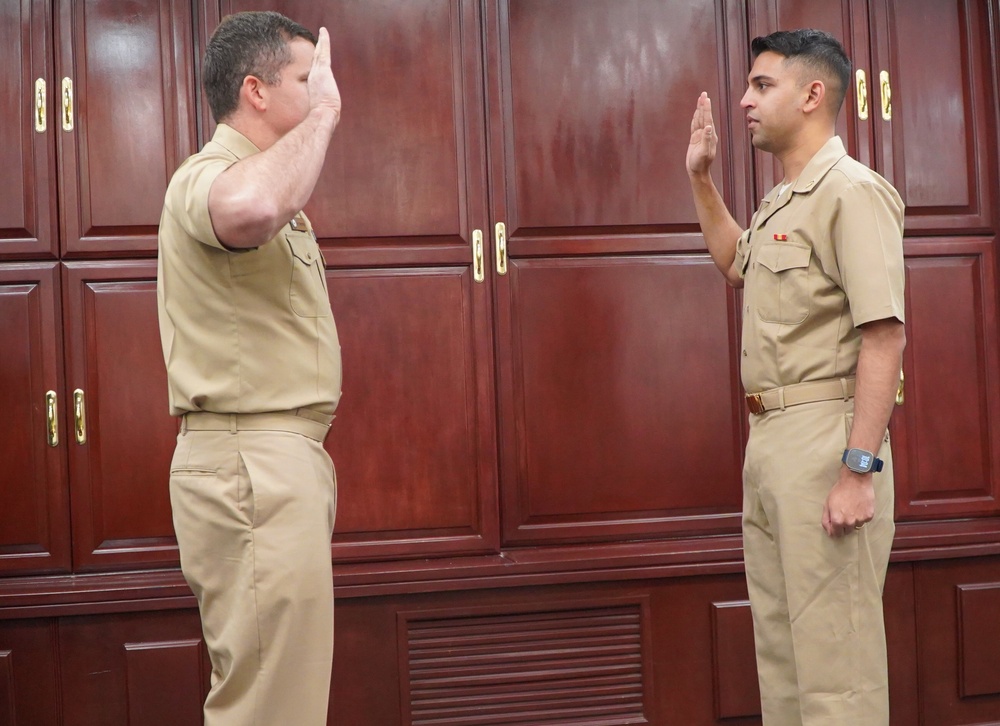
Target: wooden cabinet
28, 212
29, 673
119, 472
148, 668
34, 499
541, 433
608, 431
87, 436
103, 111
921, 109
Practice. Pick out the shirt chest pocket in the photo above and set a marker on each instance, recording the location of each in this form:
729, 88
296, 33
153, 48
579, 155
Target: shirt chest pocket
307, 293
782, 283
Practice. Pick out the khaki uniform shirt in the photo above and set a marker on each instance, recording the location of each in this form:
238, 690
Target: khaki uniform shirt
242, 331
819, 259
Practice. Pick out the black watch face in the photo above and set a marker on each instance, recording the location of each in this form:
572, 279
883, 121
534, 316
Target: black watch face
859, 460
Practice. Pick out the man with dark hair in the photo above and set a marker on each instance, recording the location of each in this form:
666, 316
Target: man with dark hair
254, 373
821, 267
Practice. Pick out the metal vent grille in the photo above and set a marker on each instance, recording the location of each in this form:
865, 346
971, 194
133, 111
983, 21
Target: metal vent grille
579, 667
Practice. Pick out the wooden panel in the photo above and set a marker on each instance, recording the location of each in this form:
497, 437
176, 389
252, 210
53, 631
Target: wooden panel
8, 716
134, 118
948, 461
28, 666
34, 536
563, 665
901, 645
165, 682
847, 21
413, 441
579, 101
624, 421
372, 668
108, 660
601, 432
979, 656
939, 588
737, 692
404, 180
119, 477
937, 57
27, 156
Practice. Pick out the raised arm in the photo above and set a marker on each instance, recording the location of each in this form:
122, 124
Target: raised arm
256, 197
717, 225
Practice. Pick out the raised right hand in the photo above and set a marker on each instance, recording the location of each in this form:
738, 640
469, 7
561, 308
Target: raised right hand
704, 139
323, 89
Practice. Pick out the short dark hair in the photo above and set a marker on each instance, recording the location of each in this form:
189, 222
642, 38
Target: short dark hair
247, 44
814, 48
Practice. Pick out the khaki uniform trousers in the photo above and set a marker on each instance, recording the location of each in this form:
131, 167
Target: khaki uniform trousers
253, 510
816, 600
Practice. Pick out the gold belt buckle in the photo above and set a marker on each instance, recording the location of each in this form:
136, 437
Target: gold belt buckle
754, 403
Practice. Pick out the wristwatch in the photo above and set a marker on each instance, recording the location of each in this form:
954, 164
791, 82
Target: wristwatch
861, 461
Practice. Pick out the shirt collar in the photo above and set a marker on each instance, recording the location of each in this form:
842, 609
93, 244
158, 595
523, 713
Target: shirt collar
822, 161
234, 142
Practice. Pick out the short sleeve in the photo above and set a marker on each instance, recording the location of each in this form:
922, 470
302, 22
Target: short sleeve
743, 252
187, 196
868, 238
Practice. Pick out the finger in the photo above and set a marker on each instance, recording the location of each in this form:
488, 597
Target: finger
322, 55
705, 103
698, 120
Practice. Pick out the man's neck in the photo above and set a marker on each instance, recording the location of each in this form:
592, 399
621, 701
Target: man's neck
258, 133
797, 156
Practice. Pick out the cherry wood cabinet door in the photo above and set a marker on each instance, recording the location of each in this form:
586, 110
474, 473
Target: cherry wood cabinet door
395, 211
133, 668
120, 470
29, 668
131, 120
957, 635
617, 353
34, 530
934, 109
27, 151
946, 433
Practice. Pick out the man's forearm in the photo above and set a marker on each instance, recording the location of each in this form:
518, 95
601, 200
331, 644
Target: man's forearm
882, 344
720, 230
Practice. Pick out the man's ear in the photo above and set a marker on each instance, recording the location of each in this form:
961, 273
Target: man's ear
815, 96
252, 90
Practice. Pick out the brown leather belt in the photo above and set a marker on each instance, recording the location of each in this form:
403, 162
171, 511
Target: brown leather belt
799, 393
302, 421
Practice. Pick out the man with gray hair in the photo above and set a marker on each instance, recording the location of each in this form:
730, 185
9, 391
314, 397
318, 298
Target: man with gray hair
254, 373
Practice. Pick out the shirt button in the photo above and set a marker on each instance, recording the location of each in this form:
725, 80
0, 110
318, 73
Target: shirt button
744, 354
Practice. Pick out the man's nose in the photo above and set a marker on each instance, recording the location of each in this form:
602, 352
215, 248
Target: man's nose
746, 101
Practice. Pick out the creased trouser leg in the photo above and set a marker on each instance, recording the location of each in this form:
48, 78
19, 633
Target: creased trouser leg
253, 513
816, 600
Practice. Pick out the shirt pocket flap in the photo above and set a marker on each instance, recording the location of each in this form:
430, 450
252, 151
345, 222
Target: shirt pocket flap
302, 246
778, 258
